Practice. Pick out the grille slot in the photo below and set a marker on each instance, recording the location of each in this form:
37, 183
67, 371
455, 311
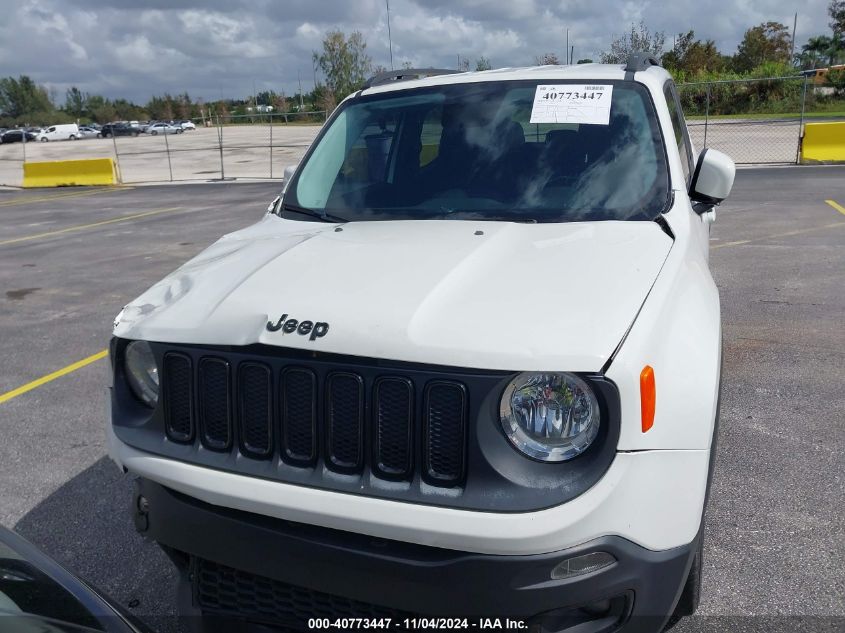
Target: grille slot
393, 413
255, 409
178, 397
445, 432
215, 404
299, 415
344, 421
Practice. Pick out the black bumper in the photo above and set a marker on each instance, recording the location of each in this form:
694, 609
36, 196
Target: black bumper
327, 572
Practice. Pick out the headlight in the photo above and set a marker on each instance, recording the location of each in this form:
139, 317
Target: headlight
142, 372
552, 417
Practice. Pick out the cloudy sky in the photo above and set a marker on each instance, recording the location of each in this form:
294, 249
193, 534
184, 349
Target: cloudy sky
214, 48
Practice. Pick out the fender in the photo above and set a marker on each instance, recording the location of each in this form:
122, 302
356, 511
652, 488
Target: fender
678, 332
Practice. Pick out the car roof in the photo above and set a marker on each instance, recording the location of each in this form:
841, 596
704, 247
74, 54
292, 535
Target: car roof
585, 72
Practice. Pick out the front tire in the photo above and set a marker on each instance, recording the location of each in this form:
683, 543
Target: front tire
72, 137
44, 140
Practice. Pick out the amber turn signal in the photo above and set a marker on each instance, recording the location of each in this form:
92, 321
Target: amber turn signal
647, 397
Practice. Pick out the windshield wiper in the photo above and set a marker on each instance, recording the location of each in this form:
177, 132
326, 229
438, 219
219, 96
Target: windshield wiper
322, 216
485, 217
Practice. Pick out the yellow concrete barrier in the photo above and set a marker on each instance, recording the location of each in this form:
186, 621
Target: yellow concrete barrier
823, 143
65, 173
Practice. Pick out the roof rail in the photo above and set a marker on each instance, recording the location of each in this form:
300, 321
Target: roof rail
405, 74
639, 60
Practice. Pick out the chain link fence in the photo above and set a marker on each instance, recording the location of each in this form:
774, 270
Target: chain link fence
757, 121
220, 147
754, 121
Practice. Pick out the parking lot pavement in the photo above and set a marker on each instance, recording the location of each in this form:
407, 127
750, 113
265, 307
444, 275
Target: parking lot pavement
775, 536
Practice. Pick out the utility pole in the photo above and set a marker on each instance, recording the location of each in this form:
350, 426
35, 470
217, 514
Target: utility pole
299, 79
389, 38
567, 47
572, 54
794, 25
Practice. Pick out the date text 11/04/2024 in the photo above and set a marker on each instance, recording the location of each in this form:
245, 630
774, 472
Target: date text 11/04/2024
416, 624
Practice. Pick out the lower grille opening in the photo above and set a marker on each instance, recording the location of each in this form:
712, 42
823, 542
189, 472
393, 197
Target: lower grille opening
221, 590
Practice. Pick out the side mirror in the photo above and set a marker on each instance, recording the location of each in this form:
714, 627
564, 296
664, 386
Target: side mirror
290, 170
713, 177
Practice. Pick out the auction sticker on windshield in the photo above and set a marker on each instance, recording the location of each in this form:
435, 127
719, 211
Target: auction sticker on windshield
572, 103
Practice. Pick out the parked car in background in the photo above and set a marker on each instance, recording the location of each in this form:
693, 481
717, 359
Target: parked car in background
89, 132
163, 128
118, 129
63, 132
16, 136
185, 125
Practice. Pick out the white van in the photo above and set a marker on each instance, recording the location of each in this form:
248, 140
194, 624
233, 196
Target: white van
64, 132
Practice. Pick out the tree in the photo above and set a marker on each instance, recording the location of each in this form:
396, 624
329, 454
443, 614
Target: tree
280, 103
819, 51
638, 39
836, 79
482, 63
767, 42
101, 109
22, 96
76, 102
836, 11
693, 56
547, 59
344, 62
463, 64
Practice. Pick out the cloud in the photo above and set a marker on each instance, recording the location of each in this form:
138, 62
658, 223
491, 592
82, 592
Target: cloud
212, 48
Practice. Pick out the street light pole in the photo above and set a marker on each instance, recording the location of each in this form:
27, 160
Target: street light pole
389, 38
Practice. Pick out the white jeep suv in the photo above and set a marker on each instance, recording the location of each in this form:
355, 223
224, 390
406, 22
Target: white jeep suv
467, 366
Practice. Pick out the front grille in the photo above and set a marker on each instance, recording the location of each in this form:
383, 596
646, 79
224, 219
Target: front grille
215, 410
345, 420
393, 418
445, 410
178, 397
256, 409
307, 420
221, 590
299, 415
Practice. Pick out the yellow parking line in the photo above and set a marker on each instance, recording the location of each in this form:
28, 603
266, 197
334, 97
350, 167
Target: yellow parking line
75, 194
5, 397
836, 206
776, 235
82, 227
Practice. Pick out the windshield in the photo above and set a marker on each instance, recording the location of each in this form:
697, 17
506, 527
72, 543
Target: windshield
488, 151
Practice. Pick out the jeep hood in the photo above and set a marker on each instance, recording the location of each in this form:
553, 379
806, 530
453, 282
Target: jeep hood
493, 295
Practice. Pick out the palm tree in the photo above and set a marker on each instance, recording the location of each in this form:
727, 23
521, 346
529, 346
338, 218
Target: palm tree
822, 49
816, 48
